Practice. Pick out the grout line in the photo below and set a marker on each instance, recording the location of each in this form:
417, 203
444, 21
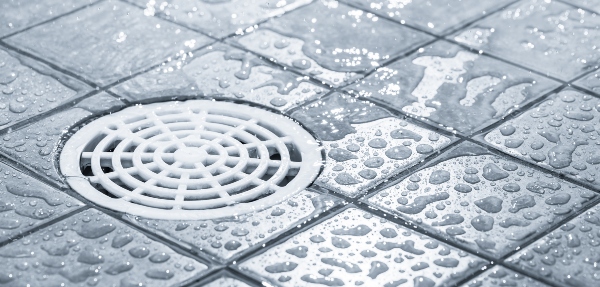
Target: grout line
43, 225
51, 19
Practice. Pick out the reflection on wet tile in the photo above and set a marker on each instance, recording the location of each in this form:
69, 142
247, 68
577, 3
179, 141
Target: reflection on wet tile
569, 255
17, 15
364, 143
93, 249
29, 88
220, 71
548, 36
436, 16
108, 41
35, 145
26, 203
590, 82
453, 87
324, 40
481, 200
225, 238
218, 18
560, 134
501, 277
357, 248
593, 5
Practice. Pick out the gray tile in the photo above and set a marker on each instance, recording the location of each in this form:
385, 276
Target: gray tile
324, 40
108, 41
435, 16
453, 87
17, 15
226, 282
221, 71
569, 255
26, 203
364, 143
590, 82
547, 36
29, 88
218, 18
93, 249
559, 134
481, 200
228, 237
357, 248
501, 277
593, 5
35, 145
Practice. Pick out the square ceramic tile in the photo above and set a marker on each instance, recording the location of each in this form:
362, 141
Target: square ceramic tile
221, 71
107, 42
547, 36
326, 40
481, 200
569, 255
590, 82
355, 248
364, 143
17, 15
435, 16
93, 249
35, 144
26, 203
501, 277
560, 134
593, 5
29, 88
228, 237
453, 87
218, 18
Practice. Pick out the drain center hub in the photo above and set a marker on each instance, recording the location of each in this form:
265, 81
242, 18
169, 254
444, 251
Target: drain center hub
191, 155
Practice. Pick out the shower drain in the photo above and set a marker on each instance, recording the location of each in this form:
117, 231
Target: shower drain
190, 160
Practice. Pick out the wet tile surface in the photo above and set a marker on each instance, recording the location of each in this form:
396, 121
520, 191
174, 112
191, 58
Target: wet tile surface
547, 36
108, 41
222, 71
481, 200
226, 282
357, 248
364, 143
559, 134
568, 255
218, 18
323, 40
29, 88
437, 16
500, 276
453, 87
17, 15
590, 82
93, 249
34, 145
593, 5
387, 103
228, 237
26, 203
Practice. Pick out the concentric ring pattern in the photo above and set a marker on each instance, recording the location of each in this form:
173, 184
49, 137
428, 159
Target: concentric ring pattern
190, 160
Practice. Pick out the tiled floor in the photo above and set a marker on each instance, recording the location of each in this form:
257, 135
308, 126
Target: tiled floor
461, 140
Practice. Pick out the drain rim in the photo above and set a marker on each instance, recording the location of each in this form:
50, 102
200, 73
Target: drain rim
309, 148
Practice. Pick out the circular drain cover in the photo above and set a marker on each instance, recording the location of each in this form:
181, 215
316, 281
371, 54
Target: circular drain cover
190, 160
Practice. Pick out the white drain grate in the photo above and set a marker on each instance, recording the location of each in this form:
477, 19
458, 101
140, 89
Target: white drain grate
190, 160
